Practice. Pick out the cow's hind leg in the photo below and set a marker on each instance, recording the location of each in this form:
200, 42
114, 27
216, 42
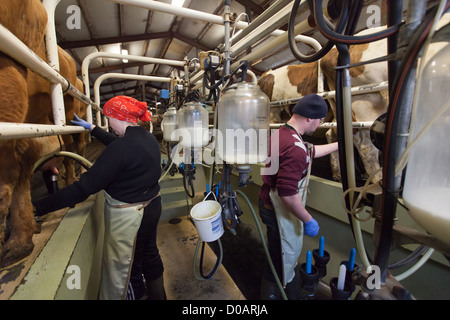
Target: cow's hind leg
20, 243
369, 155
3, 216
331, 136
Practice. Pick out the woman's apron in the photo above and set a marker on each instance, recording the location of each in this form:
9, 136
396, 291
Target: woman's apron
291, 228
122, 222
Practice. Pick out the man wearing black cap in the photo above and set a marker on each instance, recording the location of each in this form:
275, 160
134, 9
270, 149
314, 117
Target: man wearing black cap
283, 195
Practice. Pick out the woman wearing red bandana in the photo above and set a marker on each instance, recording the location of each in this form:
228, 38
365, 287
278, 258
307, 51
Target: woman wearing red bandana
127, 171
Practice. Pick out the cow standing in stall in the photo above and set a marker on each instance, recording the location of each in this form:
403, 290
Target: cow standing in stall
25, 98
294, 81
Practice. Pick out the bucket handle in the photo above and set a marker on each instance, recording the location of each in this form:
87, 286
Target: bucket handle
211, 192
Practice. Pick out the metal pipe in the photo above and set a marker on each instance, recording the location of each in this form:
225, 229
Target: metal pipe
280, 39
179, 11
390, 192
59, 113
105, 76
185, 12
278, 5
368, 88
186, 75
272, 44
271, 24
96, 55
267, 27
10, 130
305, 39
250, 73
227, 23
16, 49
330, 125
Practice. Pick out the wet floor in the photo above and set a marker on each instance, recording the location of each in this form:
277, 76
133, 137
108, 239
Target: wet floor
177, 241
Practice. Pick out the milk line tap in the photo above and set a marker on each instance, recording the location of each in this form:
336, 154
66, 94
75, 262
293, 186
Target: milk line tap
231, 209
321, 258
188, 173
309, 278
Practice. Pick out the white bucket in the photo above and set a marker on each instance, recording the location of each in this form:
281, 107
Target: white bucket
207, 218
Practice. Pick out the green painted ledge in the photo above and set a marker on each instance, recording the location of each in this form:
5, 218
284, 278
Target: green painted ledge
77, 241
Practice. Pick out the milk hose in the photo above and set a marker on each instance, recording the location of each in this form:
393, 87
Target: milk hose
167, 170
269, 259
188, 177
201, 276
415, 267
83, 161
325, 49
347, 39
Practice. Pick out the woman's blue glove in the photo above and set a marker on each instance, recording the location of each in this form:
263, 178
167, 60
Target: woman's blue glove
81, 122
311, 228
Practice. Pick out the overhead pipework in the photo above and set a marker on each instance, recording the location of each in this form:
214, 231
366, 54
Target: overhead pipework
96, 55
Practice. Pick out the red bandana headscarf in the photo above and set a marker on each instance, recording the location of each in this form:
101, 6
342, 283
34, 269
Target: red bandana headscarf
126, 109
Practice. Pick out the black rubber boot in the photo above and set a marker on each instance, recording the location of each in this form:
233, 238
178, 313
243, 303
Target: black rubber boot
293, 289
269, 290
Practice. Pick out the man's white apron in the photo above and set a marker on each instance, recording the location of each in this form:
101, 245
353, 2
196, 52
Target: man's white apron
291, 228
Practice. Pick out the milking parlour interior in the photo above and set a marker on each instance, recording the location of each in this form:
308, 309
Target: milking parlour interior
262, 196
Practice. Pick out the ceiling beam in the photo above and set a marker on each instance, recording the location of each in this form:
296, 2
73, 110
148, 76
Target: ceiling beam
131, 38
190, 41
252, 6
111, 40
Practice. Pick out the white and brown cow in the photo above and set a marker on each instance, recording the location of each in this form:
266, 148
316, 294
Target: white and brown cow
295, 81
25, 98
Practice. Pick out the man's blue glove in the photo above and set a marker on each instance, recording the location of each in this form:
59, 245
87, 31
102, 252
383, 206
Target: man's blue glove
81, 122
311, 228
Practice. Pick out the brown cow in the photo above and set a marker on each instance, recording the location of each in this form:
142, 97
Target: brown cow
25, 98
295, 81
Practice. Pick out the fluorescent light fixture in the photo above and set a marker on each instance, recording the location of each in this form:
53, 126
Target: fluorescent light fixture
178, 3
124, 52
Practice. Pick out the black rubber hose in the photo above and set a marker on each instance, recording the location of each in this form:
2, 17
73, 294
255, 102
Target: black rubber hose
214, 269
343, 59
347, 39
325, 49
188, 177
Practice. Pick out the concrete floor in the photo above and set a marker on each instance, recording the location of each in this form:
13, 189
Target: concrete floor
177, 240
